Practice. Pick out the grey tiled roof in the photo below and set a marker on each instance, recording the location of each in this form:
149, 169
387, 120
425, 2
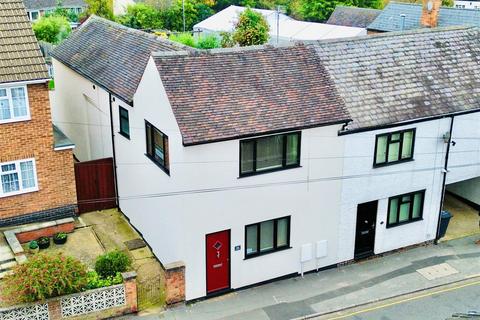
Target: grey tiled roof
111, 55
48, 4
396, 77
20, 56
390, 19
229, 93
353, 17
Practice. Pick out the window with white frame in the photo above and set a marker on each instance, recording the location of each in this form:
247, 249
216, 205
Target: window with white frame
18, 177
13, 104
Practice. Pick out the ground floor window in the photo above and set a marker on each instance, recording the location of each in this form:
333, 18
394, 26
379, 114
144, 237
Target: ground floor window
267, 236
18, 177
405, 208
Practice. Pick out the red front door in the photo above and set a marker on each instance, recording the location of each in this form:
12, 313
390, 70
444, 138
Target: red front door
218, 261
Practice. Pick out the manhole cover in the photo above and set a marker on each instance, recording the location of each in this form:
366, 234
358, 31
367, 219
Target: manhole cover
437, 271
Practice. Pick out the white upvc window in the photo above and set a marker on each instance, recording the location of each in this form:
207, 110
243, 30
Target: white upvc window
34, 15
14, 104
17, 177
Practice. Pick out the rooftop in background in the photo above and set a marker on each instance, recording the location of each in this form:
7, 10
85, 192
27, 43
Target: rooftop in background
390, 18
51, 4
401, 76
111, 55
289, 29
20, 56
230, 93
353, 16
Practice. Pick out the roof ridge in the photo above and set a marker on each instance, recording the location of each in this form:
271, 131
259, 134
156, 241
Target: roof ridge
359, 8
392, 34
200, 52
136, 31
420, 5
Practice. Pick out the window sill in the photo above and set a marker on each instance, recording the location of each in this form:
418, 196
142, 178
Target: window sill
15, 120
403, 223
126, 136
380, 165
18, 193
265, 253
158, 164
246, 175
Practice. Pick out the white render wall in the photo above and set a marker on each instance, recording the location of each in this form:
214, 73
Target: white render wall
82, 112
369, 184
175, 226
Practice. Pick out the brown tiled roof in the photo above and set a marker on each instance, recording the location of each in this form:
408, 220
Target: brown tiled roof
230, 93
20, 56
111, 55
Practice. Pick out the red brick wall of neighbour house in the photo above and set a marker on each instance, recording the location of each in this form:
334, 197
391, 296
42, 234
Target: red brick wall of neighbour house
34, 139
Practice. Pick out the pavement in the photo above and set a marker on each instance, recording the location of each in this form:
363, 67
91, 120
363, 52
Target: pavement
340, 288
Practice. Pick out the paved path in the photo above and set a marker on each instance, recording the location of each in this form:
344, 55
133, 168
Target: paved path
338, 288
439, 303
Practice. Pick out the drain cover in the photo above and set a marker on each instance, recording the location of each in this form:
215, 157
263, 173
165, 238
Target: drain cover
437, 271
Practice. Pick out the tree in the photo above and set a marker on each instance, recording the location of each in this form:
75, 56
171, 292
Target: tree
195, 11
142, 16
52, 29
101, 8
251, 29
320, 10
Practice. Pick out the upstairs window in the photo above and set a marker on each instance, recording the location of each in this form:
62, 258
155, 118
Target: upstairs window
157, 147
394, 147
405, 208
18, 177
124, 122
13, 104
269, 153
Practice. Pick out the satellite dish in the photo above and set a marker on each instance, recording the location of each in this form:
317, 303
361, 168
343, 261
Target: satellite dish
430, 5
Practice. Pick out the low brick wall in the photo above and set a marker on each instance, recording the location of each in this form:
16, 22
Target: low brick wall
174, 282
99, 303
47, 231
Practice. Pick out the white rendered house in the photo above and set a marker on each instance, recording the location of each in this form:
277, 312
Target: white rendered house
279, 160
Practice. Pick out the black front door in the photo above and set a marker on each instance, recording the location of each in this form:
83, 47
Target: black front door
365, 237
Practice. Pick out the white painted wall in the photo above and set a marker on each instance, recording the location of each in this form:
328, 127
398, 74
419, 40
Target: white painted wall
367, 183
82, 113
175, 226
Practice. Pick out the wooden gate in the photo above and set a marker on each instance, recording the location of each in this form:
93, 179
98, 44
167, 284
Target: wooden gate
95, 185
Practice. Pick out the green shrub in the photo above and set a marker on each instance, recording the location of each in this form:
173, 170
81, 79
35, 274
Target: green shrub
109, 264
44, 276
183, 38
227, 40
208, 42
94, 281
251, 29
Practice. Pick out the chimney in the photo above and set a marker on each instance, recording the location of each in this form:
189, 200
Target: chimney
430, 13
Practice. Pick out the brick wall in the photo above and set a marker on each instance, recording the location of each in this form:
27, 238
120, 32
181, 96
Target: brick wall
174, 282
34, 138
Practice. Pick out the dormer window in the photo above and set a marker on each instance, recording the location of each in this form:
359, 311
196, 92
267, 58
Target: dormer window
394, 147
13, 104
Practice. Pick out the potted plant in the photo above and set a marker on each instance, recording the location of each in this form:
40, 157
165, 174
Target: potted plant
43, 242
33, 246
60, 238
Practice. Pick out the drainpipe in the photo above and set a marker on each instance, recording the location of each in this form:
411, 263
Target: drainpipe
445, 171
402, 18
113, 150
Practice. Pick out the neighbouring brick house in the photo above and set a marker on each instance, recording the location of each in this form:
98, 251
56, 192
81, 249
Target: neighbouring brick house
37, 179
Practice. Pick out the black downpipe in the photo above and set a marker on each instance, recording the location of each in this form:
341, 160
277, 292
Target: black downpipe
113, 150
442, 198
